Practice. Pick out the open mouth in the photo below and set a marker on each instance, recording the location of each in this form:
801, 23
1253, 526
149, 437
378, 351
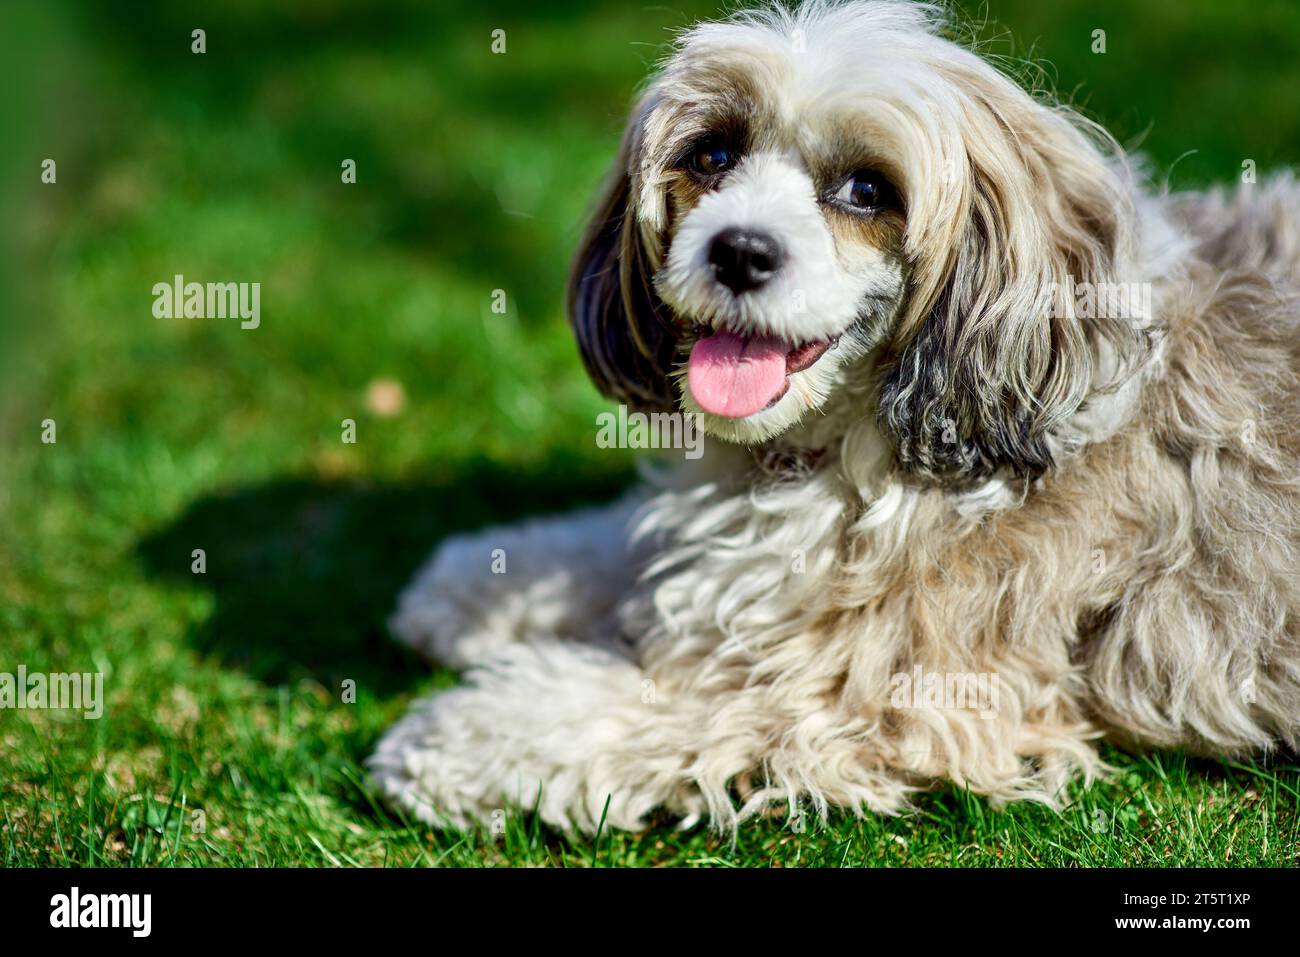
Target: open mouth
735, 376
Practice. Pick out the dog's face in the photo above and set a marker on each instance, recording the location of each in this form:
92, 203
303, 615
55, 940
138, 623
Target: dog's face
784, 256
838, 202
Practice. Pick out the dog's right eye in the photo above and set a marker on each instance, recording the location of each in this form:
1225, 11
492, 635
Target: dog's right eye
712, 158
866, 191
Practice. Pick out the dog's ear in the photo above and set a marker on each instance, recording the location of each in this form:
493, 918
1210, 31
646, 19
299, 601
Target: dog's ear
990, 355
624, 334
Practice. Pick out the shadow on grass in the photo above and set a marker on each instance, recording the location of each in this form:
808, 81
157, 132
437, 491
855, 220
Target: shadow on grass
304, 572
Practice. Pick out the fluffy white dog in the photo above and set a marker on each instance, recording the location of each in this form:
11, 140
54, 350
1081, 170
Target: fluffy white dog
1005, 457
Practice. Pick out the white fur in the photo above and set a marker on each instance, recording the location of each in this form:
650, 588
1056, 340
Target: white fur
724, 639
815, 295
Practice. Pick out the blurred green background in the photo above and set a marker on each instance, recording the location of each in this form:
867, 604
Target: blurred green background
474, 172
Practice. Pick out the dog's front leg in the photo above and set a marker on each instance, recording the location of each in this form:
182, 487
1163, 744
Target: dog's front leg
584, 734
553, 577
571, 728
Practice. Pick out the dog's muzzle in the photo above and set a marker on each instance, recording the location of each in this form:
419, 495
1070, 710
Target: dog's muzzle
744, 259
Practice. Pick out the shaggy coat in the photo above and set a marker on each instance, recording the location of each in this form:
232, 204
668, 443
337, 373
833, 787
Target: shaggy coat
998, 519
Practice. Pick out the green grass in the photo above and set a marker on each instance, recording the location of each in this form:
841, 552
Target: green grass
223, 689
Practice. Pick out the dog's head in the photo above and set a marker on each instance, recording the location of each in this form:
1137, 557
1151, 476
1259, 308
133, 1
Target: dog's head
835, 202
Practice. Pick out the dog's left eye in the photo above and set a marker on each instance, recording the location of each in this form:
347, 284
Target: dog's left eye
712, 158
866, 190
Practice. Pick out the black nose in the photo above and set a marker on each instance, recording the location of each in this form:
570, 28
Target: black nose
743, 259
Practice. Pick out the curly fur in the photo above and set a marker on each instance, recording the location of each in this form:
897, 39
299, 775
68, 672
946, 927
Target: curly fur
1102, 513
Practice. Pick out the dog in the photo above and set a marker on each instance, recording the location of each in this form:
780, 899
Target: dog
1002, 459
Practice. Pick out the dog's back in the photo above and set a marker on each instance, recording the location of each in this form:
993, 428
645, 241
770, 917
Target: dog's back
1252, 227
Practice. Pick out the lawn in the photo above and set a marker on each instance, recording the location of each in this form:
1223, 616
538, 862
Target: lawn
225, 738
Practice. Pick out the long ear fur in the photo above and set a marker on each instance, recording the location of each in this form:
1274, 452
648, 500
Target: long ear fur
990, 356
624, 335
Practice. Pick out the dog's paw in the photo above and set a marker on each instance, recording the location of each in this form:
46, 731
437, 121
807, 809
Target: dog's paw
557, 577
552, 726
419, 769
457, 610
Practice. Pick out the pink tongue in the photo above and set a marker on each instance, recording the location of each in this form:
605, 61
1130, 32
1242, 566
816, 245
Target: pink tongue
736, 377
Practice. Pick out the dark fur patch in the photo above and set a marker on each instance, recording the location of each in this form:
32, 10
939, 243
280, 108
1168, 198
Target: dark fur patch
947, 426
624, 333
